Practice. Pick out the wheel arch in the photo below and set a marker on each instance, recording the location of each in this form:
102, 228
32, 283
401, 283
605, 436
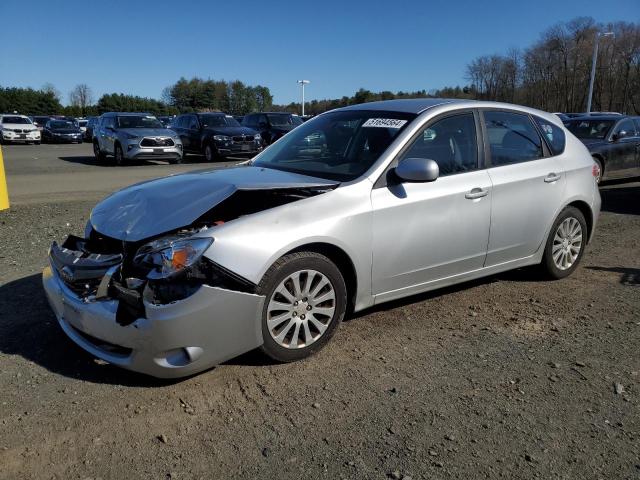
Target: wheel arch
585, 209
342, 260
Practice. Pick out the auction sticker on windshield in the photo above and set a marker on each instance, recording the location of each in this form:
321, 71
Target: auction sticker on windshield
384, 123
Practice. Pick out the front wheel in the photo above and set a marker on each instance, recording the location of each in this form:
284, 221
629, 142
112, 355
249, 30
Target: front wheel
565, 245
306, 299
100, 156
175, 161
118, 156
209, 153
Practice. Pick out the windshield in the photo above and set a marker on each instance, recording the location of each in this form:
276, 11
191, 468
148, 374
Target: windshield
139, 121
338, 146
590, 129
281, 120
61, 124
18, 120
218, 121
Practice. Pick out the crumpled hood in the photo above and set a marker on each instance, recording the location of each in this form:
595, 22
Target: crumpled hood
154, 207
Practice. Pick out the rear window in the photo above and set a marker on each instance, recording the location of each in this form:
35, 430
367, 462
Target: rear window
553, 134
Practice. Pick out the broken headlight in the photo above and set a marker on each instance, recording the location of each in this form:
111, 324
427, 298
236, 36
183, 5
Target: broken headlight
168, 256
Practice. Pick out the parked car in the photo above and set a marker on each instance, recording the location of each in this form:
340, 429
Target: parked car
82, 124
18, 129
272, 125
61, 131
135, 136
40, 121
178, 274
88, 133
166, 120
614, 143
216, 135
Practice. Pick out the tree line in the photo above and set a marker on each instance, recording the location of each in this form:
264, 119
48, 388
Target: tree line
552, 75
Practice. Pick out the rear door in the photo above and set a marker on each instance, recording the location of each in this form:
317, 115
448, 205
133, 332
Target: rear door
528, 185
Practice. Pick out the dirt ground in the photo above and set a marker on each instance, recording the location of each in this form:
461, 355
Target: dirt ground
508, 377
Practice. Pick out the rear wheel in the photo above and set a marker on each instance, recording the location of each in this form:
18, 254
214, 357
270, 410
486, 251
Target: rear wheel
565, 245
306, 299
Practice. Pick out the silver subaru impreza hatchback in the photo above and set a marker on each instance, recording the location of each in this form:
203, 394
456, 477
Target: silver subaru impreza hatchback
356, 207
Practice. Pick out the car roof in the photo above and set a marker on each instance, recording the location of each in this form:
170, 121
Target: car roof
124, 114
405, 105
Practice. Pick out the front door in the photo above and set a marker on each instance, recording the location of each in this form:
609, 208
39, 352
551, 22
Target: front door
622, 150
424, 232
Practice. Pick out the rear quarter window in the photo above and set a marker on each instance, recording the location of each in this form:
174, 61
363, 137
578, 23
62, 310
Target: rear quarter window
553, 134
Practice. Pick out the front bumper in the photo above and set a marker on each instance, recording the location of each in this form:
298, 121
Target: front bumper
65, 138
170, 341
21, 137
135, 152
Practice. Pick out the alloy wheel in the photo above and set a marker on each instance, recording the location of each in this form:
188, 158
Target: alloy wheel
567, 243
300, 309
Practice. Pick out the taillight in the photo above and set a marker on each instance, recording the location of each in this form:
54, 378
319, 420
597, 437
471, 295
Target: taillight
595, 170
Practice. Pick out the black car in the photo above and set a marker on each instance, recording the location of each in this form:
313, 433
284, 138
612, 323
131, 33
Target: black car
166, 120
61, 131
271, 125
88, 133
216, 135
614, 143
40, 121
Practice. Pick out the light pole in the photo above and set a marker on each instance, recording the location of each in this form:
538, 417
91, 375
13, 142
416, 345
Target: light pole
594, 60
303, 83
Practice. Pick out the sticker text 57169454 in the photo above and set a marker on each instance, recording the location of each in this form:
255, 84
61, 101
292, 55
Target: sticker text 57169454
384, 123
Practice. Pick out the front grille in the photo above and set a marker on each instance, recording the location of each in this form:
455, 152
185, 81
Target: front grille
243, 139
156, 142
84, 288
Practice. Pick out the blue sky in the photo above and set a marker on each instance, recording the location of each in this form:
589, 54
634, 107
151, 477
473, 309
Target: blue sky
141, 47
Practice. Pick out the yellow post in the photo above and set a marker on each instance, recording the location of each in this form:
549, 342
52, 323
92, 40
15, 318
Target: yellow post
4, 193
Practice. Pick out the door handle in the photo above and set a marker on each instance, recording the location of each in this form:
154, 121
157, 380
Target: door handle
552, 177
476, 193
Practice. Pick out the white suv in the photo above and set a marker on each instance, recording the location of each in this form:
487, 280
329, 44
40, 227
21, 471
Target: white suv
18, 128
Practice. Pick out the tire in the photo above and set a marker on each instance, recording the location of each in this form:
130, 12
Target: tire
210, 154
118, 155
99, 154
562, 243
37, 143
314, 272
599, 163
175, 161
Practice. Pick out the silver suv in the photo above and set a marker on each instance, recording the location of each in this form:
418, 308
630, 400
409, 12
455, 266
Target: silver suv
135, 136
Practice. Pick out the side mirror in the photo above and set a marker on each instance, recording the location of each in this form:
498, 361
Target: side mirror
417, 170
617, 136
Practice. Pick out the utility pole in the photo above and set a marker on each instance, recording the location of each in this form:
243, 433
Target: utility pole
303, 83
594, 60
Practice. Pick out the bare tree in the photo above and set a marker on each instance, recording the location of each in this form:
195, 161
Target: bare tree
81, 96
51, 89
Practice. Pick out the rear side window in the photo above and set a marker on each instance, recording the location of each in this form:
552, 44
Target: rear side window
554, 135
512, 138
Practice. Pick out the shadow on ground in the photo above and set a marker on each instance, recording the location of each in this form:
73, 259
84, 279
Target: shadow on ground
621, 197
92, 161
628, 276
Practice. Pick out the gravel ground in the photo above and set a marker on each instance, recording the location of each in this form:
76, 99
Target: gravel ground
508, 377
